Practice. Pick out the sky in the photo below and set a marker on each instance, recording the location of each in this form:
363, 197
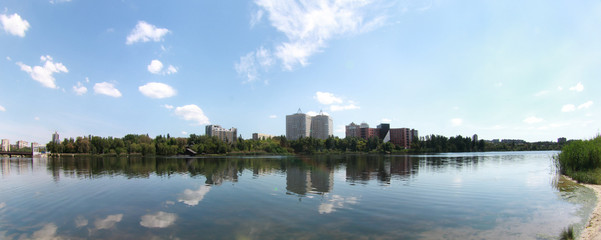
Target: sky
501, 69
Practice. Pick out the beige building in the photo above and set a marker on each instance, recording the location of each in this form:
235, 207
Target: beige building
226, 135
5, 145
22, 144
261, 136
302, 125
321, 126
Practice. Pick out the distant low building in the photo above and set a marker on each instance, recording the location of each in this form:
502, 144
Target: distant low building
261, 136
513, 141
22, 144
226, 135
402, 137
5, 145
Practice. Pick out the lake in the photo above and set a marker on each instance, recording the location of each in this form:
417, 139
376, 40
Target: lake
509, 195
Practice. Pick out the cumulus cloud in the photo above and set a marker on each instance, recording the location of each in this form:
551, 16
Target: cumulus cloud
193, 197
533, 120
578, 87
273, 116
157, 90
167, 106
158, 220
145, 32
107, 89
108, 222
44, 74
14, 24
256, 17
386, 120
456, 122
2, 109
155, 66
335, 202
80, 89
326, 98
192, 113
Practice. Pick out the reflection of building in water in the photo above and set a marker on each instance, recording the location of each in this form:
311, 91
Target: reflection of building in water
302, 181
381, 169
5, 164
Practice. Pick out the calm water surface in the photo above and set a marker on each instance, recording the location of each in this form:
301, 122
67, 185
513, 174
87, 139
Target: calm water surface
447, 196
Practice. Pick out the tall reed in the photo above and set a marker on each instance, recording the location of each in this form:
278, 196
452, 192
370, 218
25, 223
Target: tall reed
581, 160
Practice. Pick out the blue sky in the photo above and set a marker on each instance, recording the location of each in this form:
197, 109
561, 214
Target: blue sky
501, 69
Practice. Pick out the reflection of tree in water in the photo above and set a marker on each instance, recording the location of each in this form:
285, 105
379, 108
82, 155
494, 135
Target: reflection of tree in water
361, 168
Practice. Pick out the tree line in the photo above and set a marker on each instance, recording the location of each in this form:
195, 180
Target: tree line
166, 145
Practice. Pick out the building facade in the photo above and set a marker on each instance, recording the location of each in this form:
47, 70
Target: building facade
401, 137
56, 138
22, 144
261, 136
300, 125
226, 135
321, 126
5, 145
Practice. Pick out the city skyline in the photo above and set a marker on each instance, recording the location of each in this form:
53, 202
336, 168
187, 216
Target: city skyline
502, 70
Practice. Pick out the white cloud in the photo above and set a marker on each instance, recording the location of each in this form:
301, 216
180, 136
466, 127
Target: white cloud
255, 18
171, 70
59, 1
2, 109
585, 105
326, 98
8, 58
158, 220
80, 221
386, 120
193, 197
253, 62
14, 24
335, 202
167, 106
106, 89
313, 113
532, 120
192, 113
308, 25
80, 89
183, 133
155, 67
541, 93
568, 108
145, 32
273, 116
578, 87
36, 118
157, 90
87, 80
350, 106
108, 222
456, 122
44, 74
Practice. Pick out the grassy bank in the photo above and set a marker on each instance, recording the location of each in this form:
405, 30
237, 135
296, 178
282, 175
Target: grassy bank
581, 160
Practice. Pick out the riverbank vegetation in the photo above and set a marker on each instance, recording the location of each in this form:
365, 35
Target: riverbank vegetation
581, 160
133, 144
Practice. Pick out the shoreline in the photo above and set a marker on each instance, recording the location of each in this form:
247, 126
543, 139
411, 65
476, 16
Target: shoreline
592, 231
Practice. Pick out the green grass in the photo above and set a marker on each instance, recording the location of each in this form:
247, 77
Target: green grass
581, 160
567, 234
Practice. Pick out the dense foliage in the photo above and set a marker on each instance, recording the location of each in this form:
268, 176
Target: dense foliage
167, 145
581, 160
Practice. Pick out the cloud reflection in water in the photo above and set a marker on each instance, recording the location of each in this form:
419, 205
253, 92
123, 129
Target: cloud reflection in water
108, 222
336, 202
158, 220
193, 197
